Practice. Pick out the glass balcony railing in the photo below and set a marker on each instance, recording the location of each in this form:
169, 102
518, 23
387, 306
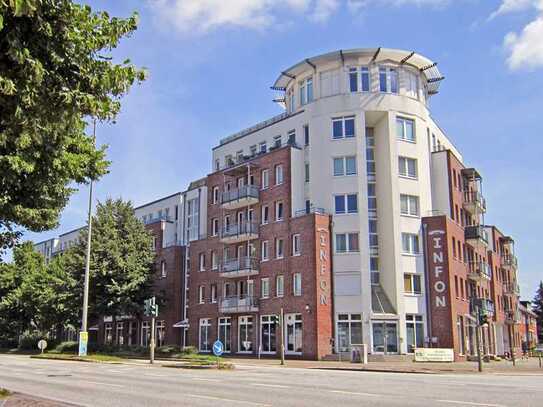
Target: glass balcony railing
239, 230
476, 234
484, 306
239, 265
509, 260
479, 270
236, 304
511, 289
245, 192
474, 200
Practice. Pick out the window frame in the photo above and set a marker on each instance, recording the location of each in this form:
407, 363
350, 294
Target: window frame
405, 167
411, 200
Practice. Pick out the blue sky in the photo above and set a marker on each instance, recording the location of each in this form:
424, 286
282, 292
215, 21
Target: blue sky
211, 63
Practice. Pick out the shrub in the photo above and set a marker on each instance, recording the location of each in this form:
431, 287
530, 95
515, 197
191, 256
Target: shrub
189, 350
67, 347
168, 350
29, 341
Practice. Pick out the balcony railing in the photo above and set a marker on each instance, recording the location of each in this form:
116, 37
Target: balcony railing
303, 212
509, 260
512, 316
479, 270
511, 289
158, 219
238, 304
474, 201
239, 232
477, 235
483, 305
239, 267
247, 194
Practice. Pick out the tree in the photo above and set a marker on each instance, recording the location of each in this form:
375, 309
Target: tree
537, 307
34, 296
56, 73
121, 263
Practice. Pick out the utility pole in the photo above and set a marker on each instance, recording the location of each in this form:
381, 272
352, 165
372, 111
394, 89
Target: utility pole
282, 323
83, 336
152, 345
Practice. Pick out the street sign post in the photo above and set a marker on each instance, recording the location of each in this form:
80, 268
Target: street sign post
150, 309
83, 341
42, 344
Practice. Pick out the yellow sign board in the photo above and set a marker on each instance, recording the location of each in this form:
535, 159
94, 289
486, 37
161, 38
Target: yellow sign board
434, 355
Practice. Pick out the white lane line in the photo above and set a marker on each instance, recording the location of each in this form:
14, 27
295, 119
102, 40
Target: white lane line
102, 384
278, 386
469, 403
203, 379
355, 393
157, 375
227, 400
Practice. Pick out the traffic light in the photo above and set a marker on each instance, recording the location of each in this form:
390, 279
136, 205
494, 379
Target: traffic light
276, 320
150, 308
147, 308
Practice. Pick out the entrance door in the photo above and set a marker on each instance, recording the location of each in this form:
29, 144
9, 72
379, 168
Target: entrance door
293, 334
385, 337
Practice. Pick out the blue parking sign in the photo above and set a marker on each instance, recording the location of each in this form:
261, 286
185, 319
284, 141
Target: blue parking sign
218, 348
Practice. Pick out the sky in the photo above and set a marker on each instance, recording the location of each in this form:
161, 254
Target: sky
211, 64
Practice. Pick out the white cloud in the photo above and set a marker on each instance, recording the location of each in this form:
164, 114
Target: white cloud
525, 48
356, 5
324, 9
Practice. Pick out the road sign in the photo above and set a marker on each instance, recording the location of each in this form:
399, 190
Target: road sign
218, 348
83, 341
42, 344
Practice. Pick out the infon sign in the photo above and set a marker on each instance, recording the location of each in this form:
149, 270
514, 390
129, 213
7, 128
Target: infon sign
323, 257
437, 249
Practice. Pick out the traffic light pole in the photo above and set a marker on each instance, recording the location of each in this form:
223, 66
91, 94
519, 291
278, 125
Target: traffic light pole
478, 344
152, 344
282, 323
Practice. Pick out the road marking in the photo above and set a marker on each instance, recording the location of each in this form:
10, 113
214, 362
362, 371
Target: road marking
355, 393
157, 375
228, 400
469, 403
279, 386
102, 384
206, 380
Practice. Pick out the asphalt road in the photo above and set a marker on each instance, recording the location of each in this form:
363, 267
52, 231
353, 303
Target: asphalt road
89, 384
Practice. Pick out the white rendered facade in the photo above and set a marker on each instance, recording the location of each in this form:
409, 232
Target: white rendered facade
371, 88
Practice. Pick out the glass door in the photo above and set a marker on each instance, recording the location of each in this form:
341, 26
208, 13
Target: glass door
384, 337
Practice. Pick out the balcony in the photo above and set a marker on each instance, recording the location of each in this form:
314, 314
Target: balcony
474, 202
239, 232
240, 197
479, 271
509, 260
482, 305
512, 317
511, 289
476, 236
238, 304
239, 267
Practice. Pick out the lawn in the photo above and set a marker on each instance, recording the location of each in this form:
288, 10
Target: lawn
4, 393
96, 357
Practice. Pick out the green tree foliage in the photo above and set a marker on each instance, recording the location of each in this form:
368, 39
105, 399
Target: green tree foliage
34, 296
537, 307
122, 261
56, 72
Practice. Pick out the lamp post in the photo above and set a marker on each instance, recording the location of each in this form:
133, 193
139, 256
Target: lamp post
83, 335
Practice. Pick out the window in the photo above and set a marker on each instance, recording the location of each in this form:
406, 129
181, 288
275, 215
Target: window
265, 288
296, 245
291, 137
412, 84
306, 91
108, 334
346, 204
306, 166
306, 134
407, 167
204, 341
213, 293
279, 249
214, 227
294, 331
263, 147
268, 333
344, 166
297, 284
405, 129
415, 332
145, 333
279, 211
279, 286
291, 100
265, 214
349, 331
193, 219
163, 269
215, 195
411, 284
409, 205
201, 294
253, 150
160, 333
374, 270
278, 174
388, 80
225, 333
245, 334
214, 260
373, 236
359, 79
347, 243
343, 127
265, 179
217, 165
154, 244
202, 262
410, 243
277, 141
264, 250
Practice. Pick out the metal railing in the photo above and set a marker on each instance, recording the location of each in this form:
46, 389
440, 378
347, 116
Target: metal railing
512, 316
476, 232
241, 303
484, 305
511, 288
157, 219
246, 191
509, 260
237, 229
303, 212
480, 267
238, 264
475, 197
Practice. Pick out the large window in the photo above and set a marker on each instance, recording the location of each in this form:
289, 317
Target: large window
193, 219
409, 205
405, 129
344, 166
349, 331
343, 127
412, 284
415, 332
388, 80
293, 332
268, 334
347, 242
407, 167
245, 336
347, 203
410, 243
359, 79
204, 336
225, 333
